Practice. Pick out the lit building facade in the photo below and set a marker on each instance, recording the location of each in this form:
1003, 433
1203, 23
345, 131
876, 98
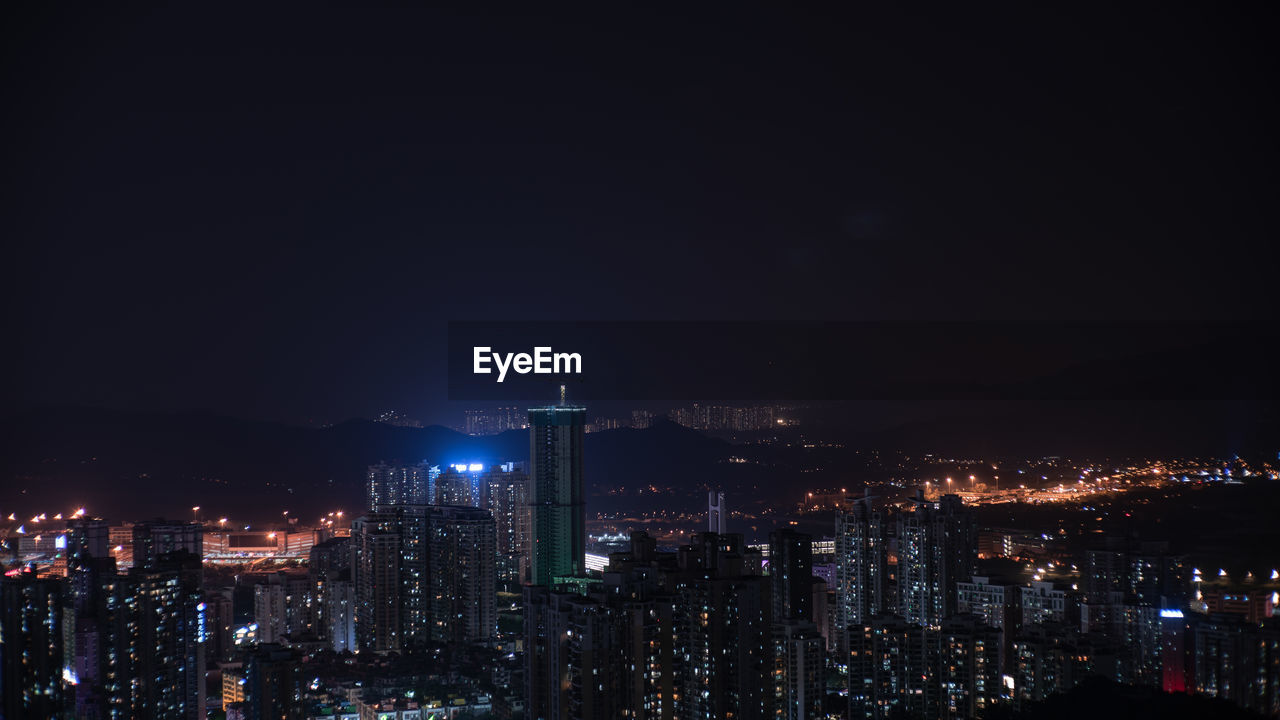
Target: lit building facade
463, 576
557, 495
507, 498
937, 549
388, 484
31, 645
861, 562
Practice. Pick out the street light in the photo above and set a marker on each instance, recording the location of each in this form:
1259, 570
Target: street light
194, 516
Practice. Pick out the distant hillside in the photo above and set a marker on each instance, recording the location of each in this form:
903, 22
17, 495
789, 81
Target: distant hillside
133, 464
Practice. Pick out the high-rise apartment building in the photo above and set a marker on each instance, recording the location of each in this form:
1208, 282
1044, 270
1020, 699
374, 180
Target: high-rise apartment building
1145, 573
861, 561
329, 577
31, 645
791, 574
799, 676
339, 620
161, 640
87, 535
492, 422
723, 627
937, 549
394, 484
91, 632
995, 603
900, 668
1052, 658
389, 570
665, 635
273, 684
460, 484
463, 577
153, 538
1236, 661
269, 610
507, 498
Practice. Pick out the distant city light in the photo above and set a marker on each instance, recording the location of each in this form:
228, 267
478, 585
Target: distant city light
1171, 613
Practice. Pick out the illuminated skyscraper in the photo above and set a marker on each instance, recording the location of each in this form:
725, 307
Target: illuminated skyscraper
861, 568
937, 549
558, 499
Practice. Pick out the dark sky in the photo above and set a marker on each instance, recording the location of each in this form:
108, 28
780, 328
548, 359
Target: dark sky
272, 210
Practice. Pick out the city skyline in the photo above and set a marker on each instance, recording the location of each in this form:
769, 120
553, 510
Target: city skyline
639, 363
919, 574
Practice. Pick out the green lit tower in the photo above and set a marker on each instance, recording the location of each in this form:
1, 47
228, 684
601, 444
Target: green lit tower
557, 497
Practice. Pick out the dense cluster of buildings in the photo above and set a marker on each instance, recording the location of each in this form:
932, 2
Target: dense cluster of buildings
698, 416
492, 422
106, 643
727, 417
901, 624
396, 613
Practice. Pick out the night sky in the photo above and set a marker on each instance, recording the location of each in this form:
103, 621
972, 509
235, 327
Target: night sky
273, 210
